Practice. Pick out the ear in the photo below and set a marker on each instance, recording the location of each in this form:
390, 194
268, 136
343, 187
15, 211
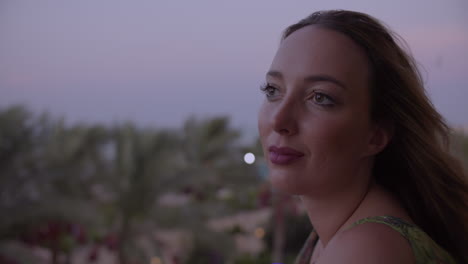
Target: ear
381, 135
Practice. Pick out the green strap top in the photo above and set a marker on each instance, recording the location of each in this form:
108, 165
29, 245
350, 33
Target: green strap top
425, 250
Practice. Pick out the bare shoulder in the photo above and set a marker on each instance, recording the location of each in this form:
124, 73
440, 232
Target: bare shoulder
368, 243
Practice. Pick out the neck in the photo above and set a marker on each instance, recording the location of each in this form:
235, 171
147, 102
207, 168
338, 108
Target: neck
332, 212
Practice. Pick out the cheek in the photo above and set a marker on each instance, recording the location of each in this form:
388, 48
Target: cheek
335, 142
335, 146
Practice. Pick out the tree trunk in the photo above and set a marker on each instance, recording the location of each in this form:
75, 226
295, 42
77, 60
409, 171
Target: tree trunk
54, 255
123, 237
68, 258
279, 227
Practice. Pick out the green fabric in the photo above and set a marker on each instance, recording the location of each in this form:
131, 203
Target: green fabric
425, 250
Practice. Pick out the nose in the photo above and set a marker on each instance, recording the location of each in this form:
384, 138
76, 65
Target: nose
284, 120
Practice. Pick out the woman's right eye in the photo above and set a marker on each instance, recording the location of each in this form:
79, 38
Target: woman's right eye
269, 90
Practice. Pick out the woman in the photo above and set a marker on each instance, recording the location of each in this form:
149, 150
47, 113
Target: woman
346, 125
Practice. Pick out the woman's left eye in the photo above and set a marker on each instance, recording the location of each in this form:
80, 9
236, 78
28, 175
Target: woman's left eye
322, 99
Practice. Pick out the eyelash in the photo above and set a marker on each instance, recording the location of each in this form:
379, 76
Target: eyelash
266, 87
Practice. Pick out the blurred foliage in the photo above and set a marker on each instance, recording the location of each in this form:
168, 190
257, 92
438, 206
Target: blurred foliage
459, 147
74, 187
297, 230
262, 258
67, 186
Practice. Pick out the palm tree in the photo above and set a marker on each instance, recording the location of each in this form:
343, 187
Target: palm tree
212, 156
141, 161
107, 181
46, 169
212, 161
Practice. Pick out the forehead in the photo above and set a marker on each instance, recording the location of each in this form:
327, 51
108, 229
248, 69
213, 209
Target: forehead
315, 50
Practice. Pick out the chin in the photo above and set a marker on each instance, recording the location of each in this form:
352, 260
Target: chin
285, 182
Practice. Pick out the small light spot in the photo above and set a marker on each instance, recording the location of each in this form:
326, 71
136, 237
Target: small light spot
249, 158
156, 260
259, 233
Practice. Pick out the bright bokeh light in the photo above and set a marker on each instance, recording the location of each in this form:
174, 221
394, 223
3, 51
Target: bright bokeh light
156, 260
249, 158
259, 232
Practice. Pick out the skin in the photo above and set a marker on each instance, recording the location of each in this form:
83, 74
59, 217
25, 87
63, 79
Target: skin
318, 102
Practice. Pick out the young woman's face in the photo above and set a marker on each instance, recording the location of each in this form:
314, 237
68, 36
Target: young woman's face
314, 123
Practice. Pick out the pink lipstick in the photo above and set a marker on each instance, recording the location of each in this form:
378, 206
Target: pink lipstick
283, 155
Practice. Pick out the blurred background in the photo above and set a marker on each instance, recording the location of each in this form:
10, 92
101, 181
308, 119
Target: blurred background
128, 128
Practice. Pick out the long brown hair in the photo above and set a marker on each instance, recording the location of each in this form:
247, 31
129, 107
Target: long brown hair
416, 165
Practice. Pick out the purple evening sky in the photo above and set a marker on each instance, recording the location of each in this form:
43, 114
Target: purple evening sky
157, 62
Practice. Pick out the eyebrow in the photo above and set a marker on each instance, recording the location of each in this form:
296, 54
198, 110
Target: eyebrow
311, 78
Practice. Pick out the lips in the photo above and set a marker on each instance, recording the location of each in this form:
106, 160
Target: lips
283, 155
